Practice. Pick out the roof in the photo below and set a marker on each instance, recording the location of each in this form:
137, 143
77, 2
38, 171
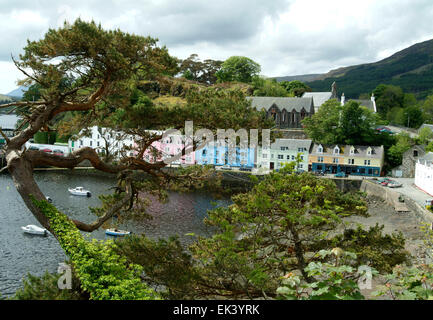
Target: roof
283, 103
319, 98
427, 157
8, 121
360, 151
365, 103
291, 143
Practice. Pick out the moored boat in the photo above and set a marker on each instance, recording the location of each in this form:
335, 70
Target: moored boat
116, 232
79, 191
32, 229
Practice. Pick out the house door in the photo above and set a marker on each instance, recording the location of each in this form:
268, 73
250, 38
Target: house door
272, 166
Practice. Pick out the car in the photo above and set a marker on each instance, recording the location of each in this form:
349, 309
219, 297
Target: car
58, 152
33, 148
226, 168
244, 169
341, 174
47, 150
394, 184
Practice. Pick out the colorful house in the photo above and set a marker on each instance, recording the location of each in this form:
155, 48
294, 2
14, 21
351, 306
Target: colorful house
169, 146
284, 151
218, 155
353, 160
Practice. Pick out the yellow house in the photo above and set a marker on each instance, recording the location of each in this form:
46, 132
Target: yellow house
354, 160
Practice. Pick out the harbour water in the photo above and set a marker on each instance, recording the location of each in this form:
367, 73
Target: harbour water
22, 253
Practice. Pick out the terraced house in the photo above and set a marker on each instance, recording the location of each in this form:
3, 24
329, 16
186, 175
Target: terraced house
354, 160
284, 151
218, 155
286, 112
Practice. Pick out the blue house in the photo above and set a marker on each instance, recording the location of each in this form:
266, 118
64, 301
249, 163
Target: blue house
219, 156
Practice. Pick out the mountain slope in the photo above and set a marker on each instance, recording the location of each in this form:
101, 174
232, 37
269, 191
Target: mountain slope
18, 93
411, 69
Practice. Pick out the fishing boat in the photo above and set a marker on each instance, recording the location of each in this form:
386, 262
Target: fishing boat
116, 232
32, 229
79, 191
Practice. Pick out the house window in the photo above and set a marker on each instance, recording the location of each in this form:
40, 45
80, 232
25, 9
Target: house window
319, 159
288, 157
335, 160
293, 157
90, 143
366, 162
301, 166
81, 142
336, 150
415, 153
264, 156
351, 161
280, 156
97, 143
320, 149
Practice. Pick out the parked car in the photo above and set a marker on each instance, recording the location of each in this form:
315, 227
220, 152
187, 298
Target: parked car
394, 184
226, 168
341, 174
33, 148
47, 150
244, 169
58, 153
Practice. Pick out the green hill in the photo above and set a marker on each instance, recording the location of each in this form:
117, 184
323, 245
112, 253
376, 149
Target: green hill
411, 69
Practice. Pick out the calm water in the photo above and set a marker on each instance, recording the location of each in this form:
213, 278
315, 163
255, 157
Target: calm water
21, 253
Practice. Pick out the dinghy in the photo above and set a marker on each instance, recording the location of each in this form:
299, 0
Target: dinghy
80, 191
116, 232
32, 229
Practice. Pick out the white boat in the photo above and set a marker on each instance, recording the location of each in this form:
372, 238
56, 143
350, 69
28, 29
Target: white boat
80, 191
32, 229
116, 232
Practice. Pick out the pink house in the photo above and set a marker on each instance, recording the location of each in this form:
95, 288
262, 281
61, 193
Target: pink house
167, 147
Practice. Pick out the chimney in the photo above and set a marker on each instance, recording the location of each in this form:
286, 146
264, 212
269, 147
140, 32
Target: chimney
373, 99
343, 99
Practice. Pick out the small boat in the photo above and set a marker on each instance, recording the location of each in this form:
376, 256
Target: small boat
32, 229
49, 199
80, 191
116, 232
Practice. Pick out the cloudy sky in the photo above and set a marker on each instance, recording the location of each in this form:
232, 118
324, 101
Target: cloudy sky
286, 37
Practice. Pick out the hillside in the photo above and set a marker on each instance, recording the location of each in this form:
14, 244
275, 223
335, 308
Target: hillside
411, 69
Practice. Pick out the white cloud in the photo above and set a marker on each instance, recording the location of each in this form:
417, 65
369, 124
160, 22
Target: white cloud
286, 37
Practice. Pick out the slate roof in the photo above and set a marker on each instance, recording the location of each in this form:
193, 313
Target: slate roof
8, 121
360, 151
319, 98
293, 144
283, 103
427, 157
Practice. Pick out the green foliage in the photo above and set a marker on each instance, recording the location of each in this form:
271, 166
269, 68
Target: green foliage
425, 135
348, 124
429, 147
372, 248
266, 233
268, 88
45, 137
202, 71
427, 108
238, 68
332, 281
103, 274
46, 288
295, 88
395, 152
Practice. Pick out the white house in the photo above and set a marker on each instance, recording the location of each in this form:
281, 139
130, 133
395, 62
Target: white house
100, 139
424, 173
284, 151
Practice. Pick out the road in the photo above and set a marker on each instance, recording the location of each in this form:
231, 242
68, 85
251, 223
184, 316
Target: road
410, 190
